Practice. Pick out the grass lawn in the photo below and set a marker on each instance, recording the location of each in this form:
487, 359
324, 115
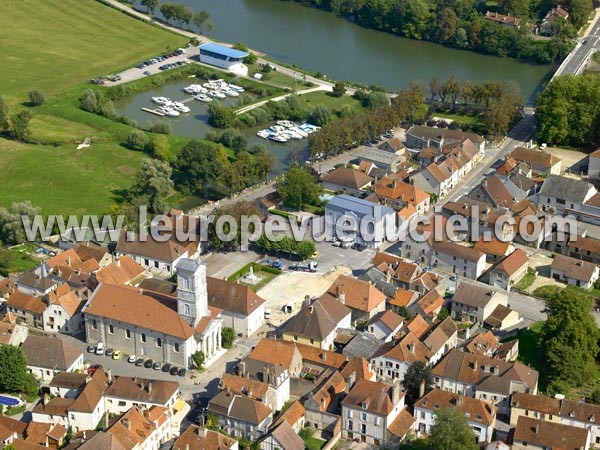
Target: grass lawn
526, 281
54, 44
311, 442
266, 276
20, 259
325, 99
470, 120
529, 349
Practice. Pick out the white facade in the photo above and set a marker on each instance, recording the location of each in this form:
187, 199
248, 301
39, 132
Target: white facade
380, 331
224, 57
425, 419
45, 374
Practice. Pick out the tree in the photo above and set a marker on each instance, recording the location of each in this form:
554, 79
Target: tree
137, 140
446, 25
319, 116
220, 116
569, 339
234, 211
198, 359
11, 221
200, 164
202, 21
13, 369
417, 379
4, 115
161, 149
250, 59
19, 125
153, 181
339, 89
443, 314
264, 163
298, 188
451, 431
150, 5
227, 337
460, 38
36, 97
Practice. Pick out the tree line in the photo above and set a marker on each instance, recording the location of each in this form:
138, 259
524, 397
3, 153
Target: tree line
459, 24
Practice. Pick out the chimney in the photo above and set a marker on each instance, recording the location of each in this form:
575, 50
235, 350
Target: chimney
475, 366
422, 388
459, 400
323, 404
109, 375
126, 423
323, 356
342, 298
106, 421
149, 387
310, 309
118, 261
242, 369
44, 399
350, 381
69, 261
395, 394
83, 437
411, 347
202, 428
338, 291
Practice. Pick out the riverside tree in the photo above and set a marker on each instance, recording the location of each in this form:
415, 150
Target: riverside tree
150, 5
11, 221
298, 188
153, 182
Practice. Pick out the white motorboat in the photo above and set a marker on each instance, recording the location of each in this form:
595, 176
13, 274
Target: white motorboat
293, 134
230, 93
300, 132
278, 137
202, 98
171, 113
178, 106
277, 129
236, 88
285, 123
217, 94
263, 134
160, 100
191, 89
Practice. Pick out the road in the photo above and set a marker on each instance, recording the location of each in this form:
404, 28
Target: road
575, 62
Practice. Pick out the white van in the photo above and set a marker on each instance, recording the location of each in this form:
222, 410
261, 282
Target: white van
100, 348
267, 313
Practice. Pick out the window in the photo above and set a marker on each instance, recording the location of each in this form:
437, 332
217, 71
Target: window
176, 347
187, 310
422, 415
111, 329
143, 337
94, 324
363, 428
349, 413
350, 425
128, 334
376, 421
364, 416
158, 342
185, 283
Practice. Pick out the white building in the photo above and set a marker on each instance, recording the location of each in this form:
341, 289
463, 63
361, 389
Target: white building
224, 57
47, 356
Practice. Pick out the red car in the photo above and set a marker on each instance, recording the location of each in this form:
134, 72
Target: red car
93, 368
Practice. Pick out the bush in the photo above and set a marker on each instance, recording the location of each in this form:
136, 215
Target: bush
198, 359
250, 59
227, 337
36, 97
137, 140
160, 127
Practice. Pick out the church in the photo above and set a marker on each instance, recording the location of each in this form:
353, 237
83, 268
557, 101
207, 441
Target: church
149, 324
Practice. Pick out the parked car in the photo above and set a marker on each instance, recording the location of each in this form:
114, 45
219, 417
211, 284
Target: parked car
109, 352
347, 243
131, 359
166, 367
139, 362
174, 370
181, 372
117, 354
91, 349
148, 363
93, 369
156, 366
100, 348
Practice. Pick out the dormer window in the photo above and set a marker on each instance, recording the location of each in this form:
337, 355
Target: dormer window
436, 406
363, 404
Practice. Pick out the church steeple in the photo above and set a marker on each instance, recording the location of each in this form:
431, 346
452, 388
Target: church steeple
192, 295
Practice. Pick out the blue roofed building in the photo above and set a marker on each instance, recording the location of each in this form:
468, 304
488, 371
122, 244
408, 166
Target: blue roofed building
224, 57
360, 219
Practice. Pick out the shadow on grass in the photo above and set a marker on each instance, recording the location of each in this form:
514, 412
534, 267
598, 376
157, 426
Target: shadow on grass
530, 351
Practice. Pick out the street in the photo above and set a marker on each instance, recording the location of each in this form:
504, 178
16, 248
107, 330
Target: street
574, 63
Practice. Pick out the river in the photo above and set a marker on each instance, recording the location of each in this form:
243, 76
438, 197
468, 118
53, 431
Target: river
321, 41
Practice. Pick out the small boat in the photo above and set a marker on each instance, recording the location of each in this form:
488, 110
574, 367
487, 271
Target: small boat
277, 129
263, 134
202, 98
292, 134
278, 137
236, 88
191, 89
169, 112
177, 106
217, 94
160, 100
285, 123
230, 93
300, 132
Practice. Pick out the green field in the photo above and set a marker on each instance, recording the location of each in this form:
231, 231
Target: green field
325, 99
55, 44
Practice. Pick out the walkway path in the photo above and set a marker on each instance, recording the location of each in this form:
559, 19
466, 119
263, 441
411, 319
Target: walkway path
281, 97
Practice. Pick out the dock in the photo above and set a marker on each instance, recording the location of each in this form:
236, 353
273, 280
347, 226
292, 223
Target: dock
153, 111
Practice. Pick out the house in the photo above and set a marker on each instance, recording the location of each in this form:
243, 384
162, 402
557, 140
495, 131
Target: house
369, 410
318, 360
564, 195
594, 165
510, 21
433, 179
540, 161
451, 257
67, 384
240, 416
363, 299
12, 333
474, 303
143, 429
488, 379
251, 388
123, 270
531, 433
429, 305
278, 353
494, 249
83, 412
153, 254
11, 429
87, 251
393, 145
574, 271
347, 180
385, 325
342, 210
483, 219
224, 57
275, 376
294, 415
399, 195
126, 392
47, 356
501, 318
36, 282
171, 330
42, 435
393, 359
201, 438
358, 368
282, 437
363, 345
317, 324
583, 248
492, 190
418, 137
382, 159
486, 344
547, 26
242, 309
480, 415
440, 338
322, 408
508, 271
561, 411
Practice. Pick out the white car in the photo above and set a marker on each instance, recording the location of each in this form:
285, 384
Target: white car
131, 359
543, 146
100, 348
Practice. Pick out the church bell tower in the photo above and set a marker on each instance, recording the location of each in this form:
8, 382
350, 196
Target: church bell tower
192, 294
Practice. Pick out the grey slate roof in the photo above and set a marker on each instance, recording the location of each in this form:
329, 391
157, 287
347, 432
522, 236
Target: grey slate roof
472, 295
363, 344
49, 352
318, 320
347, 203
563, 188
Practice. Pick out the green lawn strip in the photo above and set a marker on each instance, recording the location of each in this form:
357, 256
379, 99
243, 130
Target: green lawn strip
471, 120
311, 442
266, 273
526, 281
328, 101
55, 43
